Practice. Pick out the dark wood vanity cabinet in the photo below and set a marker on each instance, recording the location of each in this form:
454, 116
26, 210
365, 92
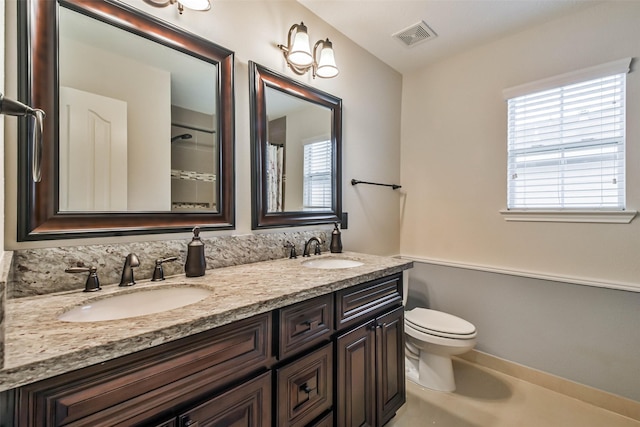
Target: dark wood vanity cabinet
304, 375
370, 356
336, 359
145, 388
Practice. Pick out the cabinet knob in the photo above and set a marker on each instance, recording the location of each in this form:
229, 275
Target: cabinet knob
190, 423
305, 388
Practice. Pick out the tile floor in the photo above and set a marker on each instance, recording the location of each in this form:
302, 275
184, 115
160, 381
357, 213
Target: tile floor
487, 398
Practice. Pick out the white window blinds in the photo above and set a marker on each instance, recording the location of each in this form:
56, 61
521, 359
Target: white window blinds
566, 146
317, 175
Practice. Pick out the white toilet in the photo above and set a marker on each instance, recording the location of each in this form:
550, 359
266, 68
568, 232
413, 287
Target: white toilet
432, 337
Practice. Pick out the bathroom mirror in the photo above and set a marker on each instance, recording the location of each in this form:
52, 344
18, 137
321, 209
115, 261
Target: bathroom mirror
139, 133
296, 140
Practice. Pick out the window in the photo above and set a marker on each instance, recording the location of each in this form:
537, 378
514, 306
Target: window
566, 141
317, 175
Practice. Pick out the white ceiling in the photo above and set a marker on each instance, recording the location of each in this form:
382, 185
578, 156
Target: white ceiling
458, 24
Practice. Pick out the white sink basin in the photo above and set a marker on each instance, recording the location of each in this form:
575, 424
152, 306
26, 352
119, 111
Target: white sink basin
331, 263
133, 304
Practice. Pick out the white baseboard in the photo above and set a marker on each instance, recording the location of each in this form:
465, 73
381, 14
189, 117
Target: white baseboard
602, 399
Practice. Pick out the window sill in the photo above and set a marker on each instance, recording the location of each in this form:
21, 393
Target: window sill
544, 215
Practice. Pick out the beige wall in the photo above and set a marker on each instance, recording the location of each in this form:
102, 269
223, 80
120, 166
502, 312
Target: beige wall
454, 172
371, 117
454, 153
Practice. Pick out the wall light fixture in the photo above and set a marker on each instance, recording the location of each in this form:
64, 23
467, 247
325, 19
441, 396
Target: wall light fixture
300, 59
200, 5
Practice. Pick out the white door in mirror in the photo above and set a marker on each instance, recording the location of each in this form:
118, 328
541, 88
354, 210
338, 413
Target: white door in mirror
93, 147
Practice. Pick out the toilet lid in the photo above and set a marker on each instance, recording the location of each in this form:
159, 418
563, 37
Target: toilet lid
439, 323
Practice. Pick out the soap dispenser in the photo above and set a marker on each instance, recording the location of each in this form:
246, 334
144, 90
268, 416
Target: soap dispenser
336, 240
196, 263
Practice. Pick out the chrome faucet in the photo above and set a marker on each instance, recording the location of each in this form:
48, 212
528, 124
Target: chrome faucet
308, 244
127, 270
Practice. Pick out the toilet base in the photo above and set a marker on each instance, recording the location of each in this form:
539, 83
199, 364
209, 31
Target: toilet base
432, 371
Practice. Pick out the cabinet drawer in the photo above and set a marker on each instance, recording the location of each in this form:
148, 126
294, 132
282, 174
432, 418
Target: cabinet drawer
247, 405
326, 421
170, 423
304, 324
136, 387
361, 302
305, 388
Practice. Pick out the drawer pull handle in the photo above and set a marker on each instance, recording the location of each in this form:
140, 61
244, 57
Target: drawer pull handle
190, 423
312, 324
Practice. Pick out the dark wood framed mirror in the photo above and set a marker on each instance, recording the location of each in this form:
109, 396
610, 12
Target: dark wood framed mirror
54, 208
296, 152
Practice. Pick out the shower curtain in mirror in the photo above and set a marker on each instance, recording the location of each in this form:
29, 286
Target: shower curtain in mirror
275, 178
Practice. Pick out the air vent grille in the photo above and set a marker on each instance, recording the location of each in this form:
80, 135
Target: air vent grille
415, 34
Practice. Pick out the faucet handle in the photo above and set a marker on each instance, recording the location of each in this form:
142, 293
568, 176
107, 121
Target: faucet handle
93, 283
158, 271
292, 250
316, 251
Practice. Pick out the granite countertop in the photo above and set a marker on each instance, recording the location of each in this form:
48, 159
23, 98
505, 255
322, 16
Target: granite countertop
39, 346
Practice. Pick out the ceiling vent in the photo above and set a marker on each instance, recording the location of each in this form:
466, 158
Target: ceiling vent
415, 34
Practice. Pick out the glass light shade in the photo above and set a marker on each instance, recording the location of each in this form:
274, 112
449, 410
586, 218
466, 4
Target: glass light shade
327, 64
300, 53
201, 5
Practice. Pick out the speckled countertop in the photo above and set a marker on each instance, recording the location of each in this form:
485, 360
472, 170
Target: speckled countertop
39, 346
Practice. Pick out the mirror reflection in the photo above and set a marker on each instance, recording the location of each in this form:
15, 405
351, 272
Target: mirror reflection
296, 133
298, 154
156, 161
137, 122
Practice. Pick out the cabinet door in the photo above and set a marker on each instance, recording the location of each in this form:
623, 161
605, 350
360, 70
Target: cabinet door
247, 405
355, 360
391, 388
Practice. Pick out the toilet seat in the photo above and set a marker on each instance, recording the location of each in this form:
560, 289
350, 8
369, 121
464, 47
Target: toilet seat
437, 323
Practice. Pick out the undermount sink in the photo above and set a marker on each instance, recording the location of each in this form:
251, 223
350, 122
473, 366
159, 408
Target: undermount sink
133, 304
331, 263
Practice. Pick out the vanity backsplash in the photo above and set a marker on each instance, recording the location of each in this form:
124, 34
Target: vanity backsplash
5, 263
41, 271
